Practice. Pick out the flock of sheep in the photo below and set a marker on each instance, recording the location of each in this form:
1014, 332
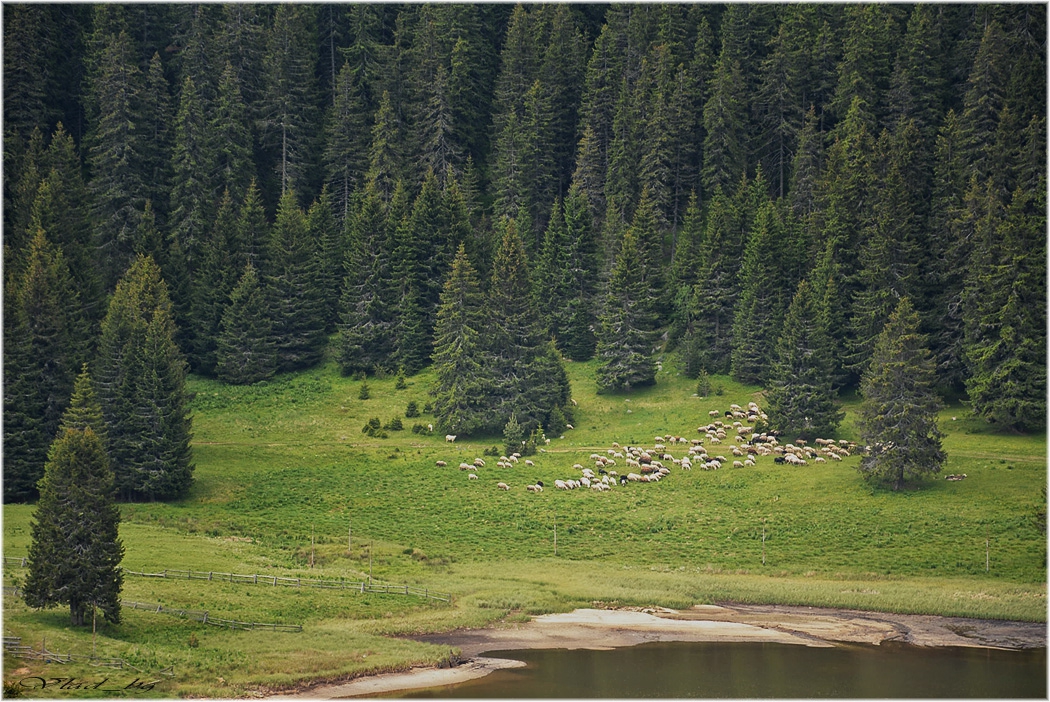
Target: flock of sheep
651, 464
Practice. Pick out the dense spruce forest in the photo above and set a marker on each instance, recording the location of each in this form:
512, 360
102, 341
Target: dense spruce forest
238, 190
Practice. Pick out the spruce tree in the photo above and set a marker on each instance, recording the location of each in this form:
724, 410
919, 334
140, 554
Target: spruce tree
245, 351
115, 154
579, 340
292, 280
718, 286
898, 416
369, 296
328, 237
289, 105
1005, 330
230, 140
527, 384
625, 345
47, 343
75, 553
760, 309
801, 398
463, 380
140, 381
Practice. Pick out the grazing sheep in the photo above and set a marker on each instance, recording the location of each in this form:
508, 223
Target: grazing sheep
561, 485
529, 463
820, 459
479, 462
465, 466
738, 464
441, 464
750, 462
569, 426
513, 459
538, 487
450, 437
577, 466
472, 477
503, 486
430, 427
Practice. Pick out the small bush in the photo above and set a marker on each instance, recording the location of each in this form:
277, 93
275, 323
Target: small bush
412, 410
703, 383
428, 408
400, 384
720, 389
193, 642
365, 392
394, 424
492, 451
419, 429
374, 428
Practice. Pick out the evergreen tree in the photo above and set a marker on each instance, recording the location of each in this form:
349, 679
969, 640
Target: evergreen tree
725, 126
158, 118
1005, 330
578, 339
463, 380
245, 351
62, 210
718, 286
84, 410
140, 381
685, 270
328, 238
253, 231
292, 280
801, 399
48, 343
191, 195
115, 155
527, 384
230, 140
346, 132
215, 278
898, 417
625, 345
385, 158
289, 104
368, 301
75, 553
760, 309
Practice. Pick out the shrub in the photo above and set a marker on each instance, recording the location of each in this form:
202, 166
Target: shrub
492, 451
400, 384
703, 383
365, 392
394, 424
412, 410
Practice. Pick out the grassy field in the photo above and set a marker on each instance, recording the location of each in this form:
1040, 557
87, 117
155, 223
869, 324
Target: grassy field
284, 473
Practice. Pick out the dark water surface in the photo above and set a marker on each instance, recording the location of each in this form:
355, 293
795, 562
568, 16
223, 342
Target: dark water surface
764, 670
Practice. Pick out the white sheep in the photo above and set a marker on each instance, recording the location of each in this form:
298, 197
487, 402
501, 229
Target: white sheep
450, 437
472, 477
561, 485
479, 462
503, 486
529, 463
441, 464
465, 466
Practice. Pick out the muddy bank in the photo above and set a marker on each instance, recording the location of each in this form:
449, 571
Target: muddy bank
604, 629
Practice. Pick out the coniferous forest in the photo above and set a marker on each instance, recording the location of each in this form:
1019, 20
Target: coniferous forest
240, 190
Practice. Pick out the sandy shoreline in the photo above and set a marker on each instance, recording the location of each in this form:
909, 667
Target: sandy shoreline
603, 629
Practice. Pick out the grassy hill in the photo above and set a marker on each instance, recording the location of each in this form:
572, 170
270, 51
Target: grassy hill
284, 473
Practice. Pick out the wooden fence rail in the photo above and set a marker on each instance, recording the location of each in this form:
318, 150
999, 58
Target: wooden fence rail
276, 580
194, 615
204, 618
13, 646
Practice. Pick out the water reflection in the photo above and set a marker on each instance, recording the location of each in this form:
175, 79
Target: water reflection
761, 670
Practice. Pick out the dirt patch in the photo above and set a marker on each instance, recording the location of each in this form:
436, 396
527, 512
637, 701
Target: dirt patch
609, 628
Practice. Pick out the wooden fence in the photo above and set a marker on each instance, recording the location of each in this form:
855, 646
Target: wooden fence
276, 581
195, 615
205, 618
13, 646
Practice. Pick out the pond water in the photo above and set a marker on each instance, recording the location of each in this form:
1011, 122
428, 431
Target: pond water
760, 670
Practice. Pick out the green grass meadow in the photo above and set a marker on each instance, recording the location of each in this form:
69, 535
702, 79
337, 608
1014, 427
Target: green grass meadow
284, 473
